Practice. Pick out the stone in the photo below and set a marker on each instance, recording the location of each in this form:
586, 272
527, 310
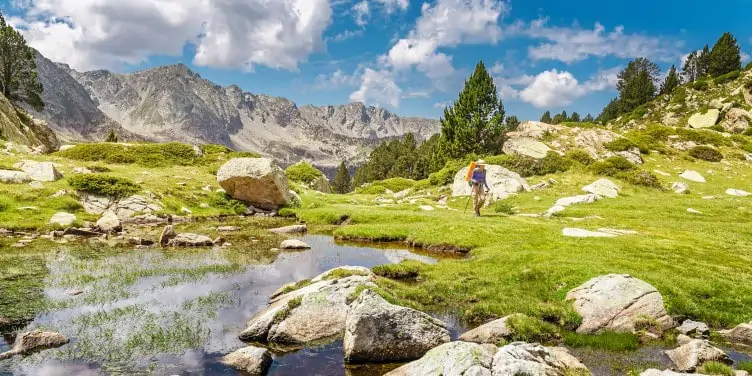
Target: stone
140, 241
582, 199
426, 208
535, 129
294, 229
617, 231
527, 147
451, 359
493, 332
313, 313
539, 186
693, 211
715, 103
228, 228
168, 233
36, 185
632, 155
689, 357
655, 372
14, 177
39, 171
604, 188
580, 233
502, 183
680, 188
556, 209
253, 361
736, 120
35, 341
527, 359
742, 333
125, 208
63, 219
75, 292
66, 147
353, 270
294, 244
190, 240
692, 175
737, 192
616, 302
82, 170
569, 361
258, 181
705, 120
377, 331
694, 329
109, 223
592, 140
185, 210
662, 173
683, 339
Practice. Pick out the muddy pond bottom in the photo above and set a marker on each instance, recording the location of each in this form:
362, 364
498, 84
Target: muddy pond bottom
177, 312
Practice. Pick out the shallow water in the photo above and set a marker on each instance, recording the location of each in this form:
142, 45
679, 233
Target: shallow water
148, 312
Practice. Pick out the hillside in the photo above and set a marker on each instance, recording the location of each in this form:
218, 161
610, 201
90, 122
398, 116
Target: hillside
17, 126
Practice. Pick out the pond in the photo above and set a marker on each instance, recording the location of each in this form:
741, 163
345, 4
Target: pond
176, 313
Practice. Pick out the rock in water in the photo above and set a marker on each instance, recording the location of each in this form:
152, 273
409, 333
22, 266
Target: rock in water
694, 329
34, 341
63, 219
109, 223
655, 372
616, 302
692, 355
190, 240
294, 244
680, 188
527, 147
254, 361
167, 234
693, 176
451, 359
501, 181
40, 171
705, 120
527, 359
13, 177
493, 332
290, 229
377, 331
258, 181
742, 333
603, 187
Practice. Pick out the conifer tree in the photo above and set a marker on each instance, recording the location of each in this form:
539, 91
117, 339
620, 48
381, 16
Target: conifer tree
725, 56
342, 183
512, 123
610, 112
575, 117
474, 123
546, 118
588, 118
558, 119
671, 82
636, 84
703, 62
18, 69
690, 67
112, 137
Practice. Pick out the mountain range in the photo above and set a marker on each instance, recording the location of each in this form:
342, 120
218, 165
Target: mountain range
173, 103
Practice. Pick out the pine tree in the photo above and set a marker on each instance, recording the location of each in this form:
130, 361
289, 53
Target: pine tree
588, 118
671, 82
546, 118
18, 75
636, 84
342, 183
512, 123
703, 62
404, 165
689, 71
575, 117
112, 137
564, 116
558, 119
474, 123
725, 56
610, 112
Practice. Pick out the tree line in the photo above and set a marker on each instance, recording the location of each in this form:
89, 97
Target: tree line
564, 118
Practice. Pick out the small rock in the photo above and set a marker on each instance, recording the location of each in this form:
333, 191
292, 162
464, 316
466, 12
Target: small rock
204, 206
294, 229
13, 177
59, 193
190, 240
427, 208
580, 233
167, 234
659, 172
694, 328
693, 176
75, 292
109, 223
82, 170
582, 199
737, 192
294, 244
36, 185
708, 197
228, 229
185, 210
692, 355
220, 241
742, 333
63, 219
693, 211
556, 209
603, 187
680, 188
527, 359
140, 241
254, 361
539, 186
705, 120
34, 341
494, 332
683, 339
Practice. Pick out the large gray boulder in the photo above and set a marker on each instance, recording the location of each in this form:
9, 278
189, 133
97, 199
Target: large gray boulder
527, 147
692, 355
258, 181
451, 359
494, 332
377, 331
603, 187
39, 171
13, 177
617, 302
502, 182
253, 361
125, 208
742, 333
109, 222
736, 120
593, 141
63, 219
34, 341
694, 329
527, 359
313, 313
535, 130
705, 120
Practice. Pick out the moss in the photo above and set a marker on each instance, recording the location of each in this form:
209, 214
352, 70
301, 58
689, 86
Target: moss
706, 153
103, 185
342, 273
287, 213
303, 172
716, 369
620, 144
285, 312
297, 286
403, 270
148, 155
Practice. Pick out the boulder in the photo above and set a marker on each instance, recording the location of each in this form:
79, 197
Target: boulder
737, 192
535, 130
715, 103
501, 181
527, 359
569, 361
253, 361
742, 333
494, 332
13, 177
451, 359
574, 200
82, 170
633, 155
125, 208
603, 187
680, 188
39, 171
705, 120
294, 229
592, 140
527, 147
694, 176
315, 312
109, 223
321, 184
66, 147
694, 329
580, 233
351, 270
190, 240
377, 331
168, 233
258, 181
228, 228
140, 242
294, 244
736, 120
63, 219
34, 341
655, 372
692, 355
617, 302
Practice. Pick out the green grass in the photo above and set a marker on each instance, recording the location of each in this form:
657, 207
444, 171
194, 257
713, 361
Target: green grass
715, 369
406, 270
744, 366
303, 172
706, 153
283, 313
610, 341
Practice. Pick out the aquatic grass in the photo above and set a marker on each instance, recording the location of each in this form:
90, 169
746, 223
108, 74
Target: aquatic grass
744, 366
406, 270
342, 273
715, 369
610, 341
532, 329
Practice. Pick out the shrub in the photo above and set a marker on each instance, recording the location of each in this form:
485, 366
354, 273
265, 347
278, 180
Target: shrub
287, 213
728, 77
421, 185
702, 137
210, 149
403, 270
553, 163
717, 128
446, 175
244, 154
716, 369
103, 185
303, 172
620, 144
527, 167
748, 67
372, 189
148, 155
700, 85
503, 208
67, 204
748, 132
736, 155
580, 156
679, 96
643, 178
706, 153
612, 166
396, 184
99, 169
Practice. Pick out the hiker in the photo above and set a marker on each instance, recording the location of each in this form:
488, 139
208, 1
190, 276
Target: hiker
478, 182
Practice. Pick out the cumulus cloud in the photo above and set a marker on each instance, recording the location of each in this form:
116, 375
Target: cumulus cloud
362, 9
554, 89
377, 87
90, 34
335, 80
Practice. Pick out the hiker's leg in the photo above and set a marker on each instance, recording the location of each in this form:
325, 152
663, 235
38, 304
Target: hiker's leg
477, 199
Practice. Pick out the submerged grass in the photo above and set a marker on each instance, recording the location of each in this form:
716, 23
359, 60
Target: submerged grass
610, 341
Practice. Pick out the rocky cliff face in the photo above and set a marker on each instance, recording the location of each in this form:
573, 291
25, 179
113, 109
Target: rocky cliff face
17, 126
172, 103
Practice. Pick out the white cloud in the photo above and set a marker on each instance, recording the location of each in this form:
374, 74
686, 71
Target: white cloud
335, 80
362, 12
442, 105
89, 34
345, 35
507, 79
377, 87
746, 57
571, 44
554, 89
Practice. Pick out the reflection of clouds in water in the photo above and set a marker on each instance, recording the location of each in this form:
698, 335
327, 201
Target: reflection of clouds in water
250, 289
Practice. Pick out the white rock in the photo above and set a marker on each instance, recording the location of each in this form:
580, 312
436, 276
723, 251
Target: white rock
451, 359
693, 211
692, 355
494, 332
14, 177
501, 181
109, 222
527, 147
603, 187
527, 359
190, 240
737, 192
680, 188
694, 328
582, 199
580, 233
742, 333
63, 219
40, 171
659, 172
427, 208
692, 175
705, 120
294, 244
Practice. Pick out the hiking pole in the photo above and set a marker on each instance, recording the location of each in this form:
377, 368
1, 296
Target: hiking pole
469, 198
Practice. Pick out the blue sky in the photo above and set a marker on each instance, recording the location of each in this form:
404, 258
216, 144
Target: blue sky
411, 57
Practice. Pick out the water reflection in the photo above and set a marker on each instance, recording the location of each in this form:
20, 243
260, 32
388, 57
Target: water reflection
156, 324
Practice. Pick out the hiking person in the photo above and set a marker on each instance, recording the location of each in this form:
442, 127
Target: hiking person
478, 182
